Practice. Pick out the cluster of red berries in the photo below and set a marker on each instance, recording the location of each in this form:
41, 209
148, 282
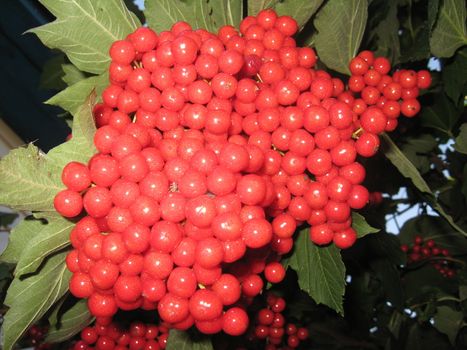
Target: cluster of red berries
108, 335
272, 327
428, 250
212, 149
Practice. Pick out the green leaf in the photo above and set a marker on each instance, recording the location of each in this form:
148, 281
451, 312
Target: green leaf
52, 73
340, 26
461, 139
71, 74
407, 169
81, 146
360, 225
30, 298
75, 95
70, 322
226, 12
254, 6
448, 321
387, 246
320, 270
390, 279
84, 30
413, 338
454, 76
162, 14
25, 183
179, 340
19, 238
449, 32
47, 239
442, 115
418, 149
387, 34
300, 10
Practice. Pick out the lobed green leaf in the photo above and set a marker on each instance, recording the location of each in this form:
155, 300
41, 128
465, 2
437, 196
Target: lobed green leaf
450, 31
320, 270
340, 26
85, 29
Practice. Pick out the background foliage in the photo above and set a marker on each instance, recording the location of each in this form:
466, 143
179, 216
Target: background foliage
364, 298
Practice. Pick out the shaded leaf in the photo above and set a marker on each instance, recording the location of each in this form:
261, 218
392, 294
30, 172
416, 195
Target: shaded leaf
18, 240
340, 26
455, 76
47, 239
433, 9
360, 225
257, 5
226, 12
52, 74
299, 10
25, 182
320, 270
387, 246
75, 95
413, 338
449, 32
30, 298
387, 34
390, 278
84, 30
71, 74
441, 115
180, 340
162, 14
461, 139
70, 322
407, 169
448, 321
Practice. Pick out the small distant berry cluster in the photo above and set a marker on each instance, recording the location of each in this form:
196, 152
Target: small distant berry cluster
35, 336
212, 149
272, 326
423, 250
108, 335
